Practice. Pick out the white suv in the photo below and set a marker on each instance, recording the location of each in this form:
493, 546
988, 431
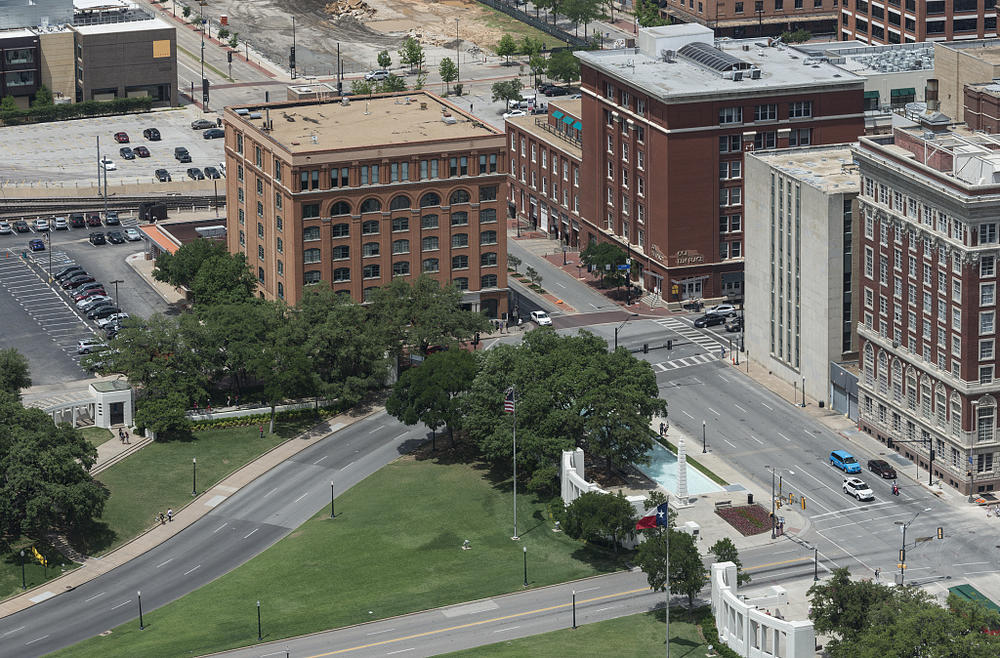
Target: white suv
857, 488
727, 310
541, 318
88, 345
377, 76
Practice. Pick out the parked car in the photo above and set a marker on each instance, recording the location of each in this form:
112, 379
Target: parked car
541, 318
133, 234
709, 320
88, 293
727, 310
88, 345
152, 134
514, 113
212, 172
92, 301
6, 228
202, 124
21, 226
555, 90
60, 224
36, 245
127, 153
114, 318
108, 164
68, 271
76, 220
213, 133
845, 461
97, 238
735, 323
116, 237
41, 225
182, 154
103, 312
141, 151
377, 75
90, 285
111, 218
222, 168
162, 175
857, 488
76, 280
93, 219
121, 137
881, 468
195, 174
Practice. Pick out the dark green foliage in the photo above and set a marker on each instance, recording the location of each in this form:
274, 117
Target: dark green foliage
604, 258
724, 550
14, 372
431, 393
11, 116
598, 517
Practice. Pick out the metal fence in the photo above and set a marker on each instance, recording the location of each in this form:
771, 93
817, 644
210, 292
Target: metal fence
524, 17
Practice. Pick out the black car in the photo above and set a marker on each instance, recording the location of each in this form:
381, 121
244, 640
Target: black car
709, 320
111, 218
545, 86
881, 468
195, 174
97, 238
97, 303
116, 237
152, 134
556, 91
182, 154
76, 280
213, 133
21, 226
102, 311
76, 220
126, 153
163, 175
69, 271
212, 172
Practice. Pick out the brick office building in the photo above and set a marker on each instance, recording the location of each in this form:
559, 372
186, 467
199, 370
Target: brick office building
355, 193
754, 18
910, 21
928, 255
667, 124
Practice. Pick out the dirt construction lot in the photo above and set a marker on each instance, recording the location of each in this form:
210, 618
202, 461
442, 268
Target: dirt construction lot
363, 28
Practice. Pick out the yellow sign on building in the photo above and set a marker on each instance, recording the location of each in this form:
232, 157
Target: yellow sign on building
161, 48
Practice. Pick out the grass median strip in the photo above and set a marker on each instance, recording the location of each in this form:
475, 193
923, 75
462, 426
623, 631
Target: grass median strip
394, 548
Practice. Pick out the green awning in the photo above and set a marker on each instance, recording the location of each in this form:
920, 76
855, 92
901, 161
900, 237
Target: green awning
578, 125
556, 114
568, 120
871, 94
909, 91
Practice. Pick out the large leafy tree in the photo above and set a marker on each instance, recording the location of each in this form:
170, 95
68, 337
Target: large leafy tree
507, 90
431, 393
44, 483
563, 65
236, 336
604, 258
581, 11
284, 370
601, 516
724, 550
687, 571
507, 47
164, 415
411, 53
223, 279
14, 371
448, 71
180, 267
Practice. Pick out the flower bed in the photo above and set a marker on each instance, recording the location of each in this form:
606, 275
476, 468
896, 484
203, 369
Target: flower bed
748, 519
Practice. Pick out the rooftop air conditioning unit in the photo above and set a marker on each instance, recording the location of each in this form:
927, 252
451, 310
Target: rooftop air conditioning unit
667, 55
737, 76
755, 74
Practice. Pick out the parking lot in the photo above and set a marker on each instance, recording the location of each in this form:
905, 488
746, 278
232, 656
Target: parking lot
66, 151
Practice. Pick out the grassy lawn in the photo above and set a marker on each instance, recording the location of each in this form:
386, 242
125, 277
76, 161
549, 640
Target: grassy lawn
515, 28
96, 435
636, 635
34, 573
394, 548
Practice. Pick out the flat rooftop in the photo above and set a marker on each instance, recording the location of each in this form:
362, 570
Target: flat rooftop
16, 33
364, 122
987, 50
827, 168
123, 26
683, 80
544, 133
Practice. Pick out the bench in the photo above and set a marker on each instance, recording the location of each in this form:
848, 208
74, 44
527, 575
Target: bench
723, 503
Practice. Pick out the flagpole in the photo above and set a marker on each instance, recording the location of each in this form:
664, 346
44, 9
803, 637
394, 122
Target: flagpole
667, 607
513, 392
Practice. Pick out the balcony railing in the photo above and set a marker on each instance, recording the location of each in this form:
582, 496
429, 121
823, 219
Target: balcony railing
544, 125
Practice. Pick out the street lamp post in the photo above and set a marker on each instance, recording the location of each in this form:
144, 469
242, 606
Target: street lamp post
565, 248
704, 439
115, 284
771, 468
458, 55
48, 238
142, 626
24, 583
194, 476
618, 328
803, 391
525, 565
574, 609
902, 548
332, 515
259, 635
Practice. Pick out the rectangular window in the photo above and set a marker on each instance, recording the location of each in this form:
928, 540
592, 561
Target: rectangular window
987, 321
799, 109
768, 112
731, 115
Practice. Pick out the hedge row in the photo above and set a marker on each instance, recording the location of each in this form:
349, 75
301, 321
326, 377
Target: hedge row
65, 111
257, 419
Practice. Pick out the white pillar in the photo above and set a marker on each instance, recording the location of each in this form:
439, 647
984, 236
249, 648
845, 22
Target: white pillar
682, 477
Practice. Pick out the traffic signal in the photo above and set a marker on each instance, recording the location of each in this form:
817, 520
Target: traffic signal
291, 58
670, 344
902, 555
204, 90
803, 499
940, 533
229, 56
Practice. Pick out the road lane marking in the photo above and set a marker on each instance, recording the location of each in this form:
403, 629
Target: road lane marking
687, 414
723, 378
270, 492
739, 407
251, 532
969, 564
37, 639
376, 429
192, 570
848, 509
301, 497
589, 589
93, 597
610, 607
808, 433
320, 459
472, 624
220, 527
784, 437
729, 442
756, 439
509, 628
121, 604
388, 630
969, 573
713, 411
164, 563
400, 651
767, 406
11, 632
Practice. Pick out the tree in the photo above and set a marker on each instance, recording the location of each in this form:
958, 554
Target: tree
285, 371
8, 104
647, 13
530, 46
537, 62
235, 338
507, 90
506, 47
46, 486
840, 607
798, 36
163, 415
448, 72
411, 53
186, 11
610, 4
598, 516
361, 87
513, 261
223, 279
724, 550
233, 41
581, 11
392, 84
431, 393
654, 559
15, 374
687, 571
223, 33
563, 65
180, 267
384, 60
604, 258
43, 97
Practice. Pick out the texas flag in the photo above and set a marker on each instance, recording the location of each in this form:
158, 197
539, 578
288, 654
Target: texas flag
661, 518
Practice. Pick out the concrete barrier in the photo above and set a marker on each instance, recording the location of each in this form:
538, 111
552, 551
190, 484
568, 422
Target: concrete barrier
196, 416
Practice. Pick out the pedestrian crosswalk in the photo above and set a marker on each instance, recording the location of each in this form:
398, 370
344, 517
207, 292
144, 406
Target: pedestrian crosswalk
674, 364
688, 332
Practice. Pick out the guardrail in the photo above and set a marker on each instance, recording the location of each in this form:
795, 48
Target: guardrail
33, 208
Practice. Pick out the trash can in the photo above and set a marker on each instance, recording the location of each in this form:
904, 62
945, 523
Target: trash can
749, 499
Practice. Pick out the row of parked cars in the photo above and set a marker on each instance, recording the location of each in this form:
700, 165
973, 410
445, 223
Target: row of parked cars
91, 298
725, 314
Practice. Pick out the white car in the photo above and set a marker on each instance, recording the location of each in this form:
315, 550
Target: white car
6, 228
60, 224
93, 298
111, 319
515, 113
726, 310
88, 345
221, 167
109, 164
541, 318
132, 234
857, 488
376, 76
41, 225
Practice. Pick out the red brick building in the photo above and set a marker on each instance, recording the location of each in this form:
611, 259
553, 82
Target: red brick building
982, 107
910, 21
356, 193
666, 125
753, 18
928, 252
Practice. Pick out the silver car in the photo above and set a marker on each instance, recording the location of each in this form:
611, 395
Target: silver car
856, 487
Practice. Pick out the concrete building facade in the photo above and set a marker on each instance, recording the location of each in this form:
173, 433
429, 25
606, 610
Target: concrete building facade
912, 21
119, 60
961, 63
20, 65
800, 216
927, 306
33, 13
668, 124
355, 193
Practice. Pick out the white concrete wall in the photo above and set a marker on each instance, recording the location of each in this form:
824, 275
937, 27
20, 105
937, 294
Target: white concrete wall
253, 411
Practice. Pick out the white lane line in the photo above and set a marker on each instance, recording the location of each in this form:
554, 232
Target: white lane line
251, 532
783, 436
589, 589
503, 630
270, 492
192, 570
713, 411
376, 429
610, 607
756, 439
388, 630
849, 509
164, 563
729, 442
37, 639
808, 433
95, 596
739, 407
969, 564
723, 378
767, 406
220, 527
11, 632
822, 484
121, 604
560, 285
301, 497
687, 414
320, 459
969, 573
400, 651
660, 366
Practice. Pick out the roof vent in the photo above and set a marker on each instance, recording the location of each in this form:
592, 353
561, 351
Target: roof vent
667, 55
345, 101
755, 73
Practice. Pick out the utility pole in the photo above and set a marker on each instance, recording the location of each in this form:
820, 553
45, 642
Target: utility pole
458, 56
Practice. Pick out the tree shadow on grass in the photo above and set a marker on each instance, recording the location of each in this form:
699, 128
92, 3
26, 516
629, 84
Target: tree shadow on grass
92, 538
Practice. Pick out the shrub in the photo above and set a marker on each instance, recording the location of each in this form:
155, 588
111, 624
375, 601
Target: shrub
67, 111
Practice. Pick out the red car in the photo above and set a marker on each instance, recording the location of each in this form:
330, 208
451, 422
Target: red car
93, 219
88, 293
121, 138
141, 151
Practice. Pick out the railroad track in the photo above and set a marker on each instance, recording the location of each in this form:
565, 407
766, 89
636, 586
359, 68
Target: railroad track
13, 209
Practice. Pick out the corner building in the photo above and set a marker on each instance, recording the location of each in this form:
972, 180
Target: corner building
354, 193
929, 211
666, 125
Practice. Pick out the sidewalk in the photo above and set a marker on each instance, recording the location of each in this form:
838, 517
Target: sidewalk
183, 517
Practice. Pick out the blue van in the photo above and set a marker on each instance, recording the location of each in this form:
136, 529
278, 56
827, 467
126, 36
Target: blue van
844, 461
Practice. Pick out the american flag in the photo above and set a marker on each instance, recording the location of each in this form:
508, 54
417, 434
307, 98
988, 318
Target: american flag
508, 401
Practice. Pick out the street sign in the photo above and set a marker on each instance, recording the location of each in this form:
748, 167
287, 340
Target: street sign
623, 267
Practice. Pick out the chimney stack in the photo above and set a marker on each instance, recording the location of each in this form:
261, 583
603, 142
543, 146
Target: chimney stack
931, 95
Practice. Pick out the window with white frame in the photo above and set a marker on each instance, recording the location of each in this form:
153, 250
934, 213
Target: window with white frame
986, 349
731, 115
987, 294
799, 109
987, 266
987, 321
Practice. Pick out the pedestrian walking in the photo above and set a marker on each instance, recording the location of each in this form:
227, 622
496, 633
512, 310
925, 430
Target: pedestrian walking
208, 406
722, 351
170, 514
228, 398
261, 428
127, 437
163, 518
878, 572
237, 399
470, 108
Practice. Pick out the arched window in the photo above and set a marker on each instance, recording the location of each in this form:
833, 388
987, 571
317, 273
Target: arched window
883, 373
431, 265
897, 381
429, 221
401, 268
370, 249
281, 290
956, 414
400, 202
341, 274
400, 246
459, 196
311, 276
459, 218
941, 406
340, 208
459, 240
985, 419
310, 233
869, 359
430, 199
341, 230
462, 283
488, 281
341, 252
460, 262
400, 223
488, 258
911, 390
925, 397
371, 205
488, 237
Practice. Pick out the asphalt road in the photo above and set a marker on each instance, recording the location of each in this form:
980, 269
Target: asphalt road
239, 528
562, 285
